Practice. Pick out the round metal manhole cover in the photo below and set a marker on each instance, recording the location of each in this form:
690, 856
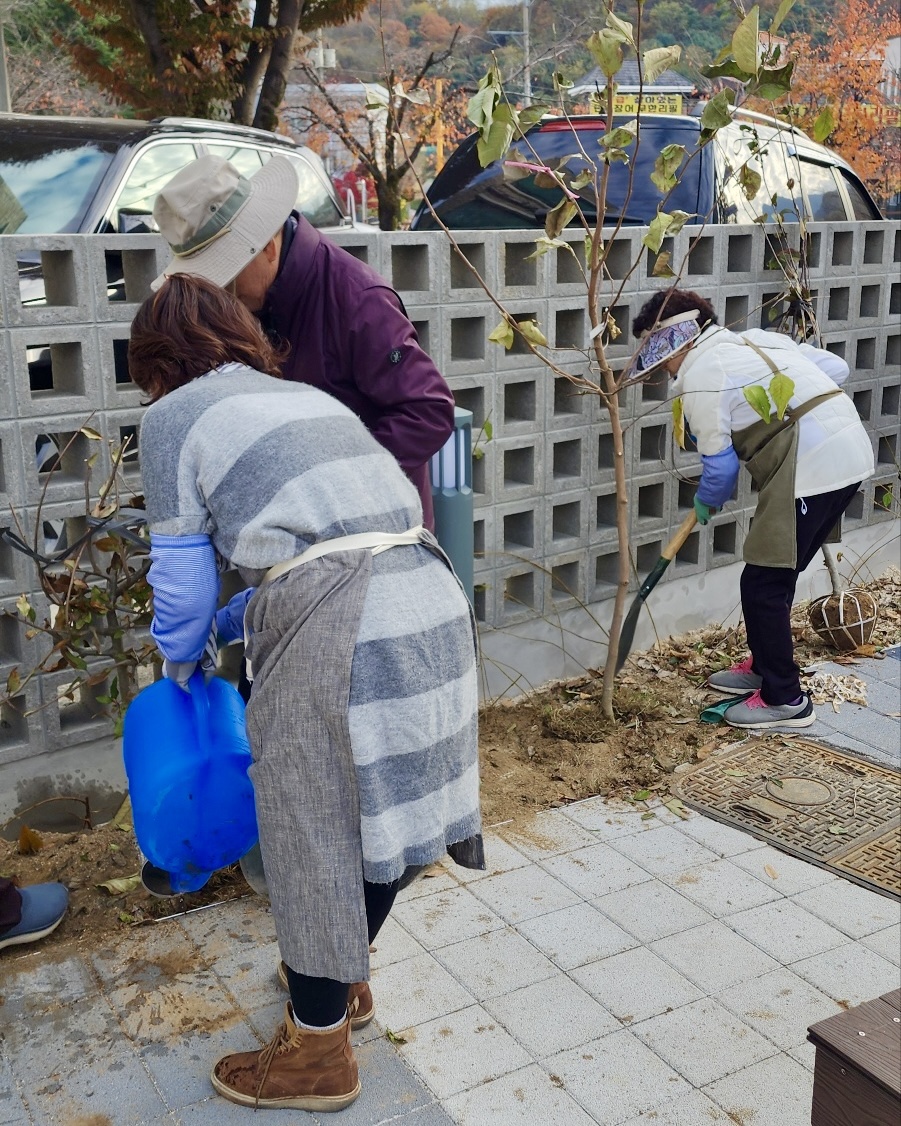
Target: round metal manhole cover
799, 791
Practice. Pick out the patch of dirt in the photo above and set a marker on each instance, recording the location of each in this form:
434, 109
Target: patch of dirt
547, 749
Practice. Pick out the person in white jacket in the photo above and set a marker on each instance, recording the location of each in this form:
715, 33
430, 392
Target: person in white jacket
807, 459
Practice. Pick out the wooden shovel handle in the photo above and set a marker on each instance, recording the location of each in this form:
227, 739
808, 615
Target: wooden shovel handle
682, 533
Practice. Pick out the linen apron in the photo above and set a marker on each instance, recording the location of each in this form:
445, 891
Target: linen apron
770, 449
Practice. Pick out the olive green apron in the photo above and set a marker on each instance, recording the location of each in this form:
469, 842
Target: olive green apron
770, 450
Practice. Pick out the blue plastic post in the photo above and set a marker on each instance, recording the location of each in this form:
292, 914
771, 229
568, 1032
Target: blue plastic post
452, 497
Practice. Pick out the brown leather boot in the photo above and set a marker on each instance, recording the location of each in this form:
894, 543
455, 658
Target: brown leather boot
299, 1069
359, 999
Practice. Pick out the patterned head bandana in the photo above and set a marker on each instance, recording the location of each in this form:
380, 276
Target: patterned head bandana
666, 338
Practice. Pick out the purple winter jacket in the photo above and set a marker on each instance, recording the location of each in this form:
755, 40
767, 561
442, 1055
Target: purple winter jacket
350, 336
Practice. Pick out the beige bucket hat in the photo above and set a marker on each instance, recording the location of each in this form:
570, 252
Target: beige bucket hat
216, 220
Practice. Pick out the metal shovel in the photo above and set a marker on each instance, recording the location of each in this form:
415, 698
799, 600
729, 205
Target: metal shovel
669, 554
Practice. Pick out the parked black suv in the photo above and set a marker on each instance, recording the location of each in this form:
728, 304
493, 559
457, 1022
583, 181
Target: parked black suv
798, 176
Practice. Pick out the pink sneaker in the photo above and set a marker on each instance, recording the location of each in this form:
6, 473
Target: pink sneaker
739, 678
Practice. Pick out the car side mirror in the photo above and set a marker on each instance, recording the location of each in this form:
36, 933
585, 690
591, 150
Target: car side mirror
136, 222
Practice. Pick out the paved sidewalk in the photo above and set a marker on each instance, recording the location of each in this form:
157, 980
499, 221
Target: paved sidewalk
607, 969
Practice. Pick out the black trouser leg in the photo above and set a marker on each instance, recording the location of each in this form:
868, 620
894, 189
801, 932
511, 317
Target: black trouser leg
767, 594
11, 906
320, 1001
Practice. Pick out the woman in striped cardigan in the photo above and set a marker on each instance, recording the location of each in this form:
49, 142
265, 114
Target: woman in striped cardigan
363, 714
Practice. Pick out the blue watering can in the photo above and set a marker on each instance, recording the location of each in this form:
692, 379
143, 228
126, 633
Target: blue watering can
186, 757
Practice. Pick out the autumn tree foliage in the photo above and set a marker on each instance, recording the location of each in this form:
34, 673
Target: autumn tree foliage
388, 130
843, 72
199, 58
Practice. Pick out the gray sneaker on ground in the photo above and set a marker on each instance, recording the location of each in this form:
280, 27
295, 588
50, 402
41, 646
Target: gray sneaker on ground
755, 712
738, 678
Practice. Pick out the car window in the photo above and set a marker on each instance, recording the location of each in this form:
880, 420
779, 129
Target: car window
779, 197
314, 200
824, 200
152, 171
862, 206
246, 160
46, 186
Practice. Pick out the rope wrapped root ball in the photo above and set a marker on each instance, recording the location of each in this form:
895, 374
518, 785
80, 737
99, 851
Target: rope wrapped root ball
846, 619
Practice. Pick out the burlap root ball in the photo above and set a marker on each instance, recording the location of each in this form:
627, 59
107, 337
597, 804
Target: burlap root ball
845, 620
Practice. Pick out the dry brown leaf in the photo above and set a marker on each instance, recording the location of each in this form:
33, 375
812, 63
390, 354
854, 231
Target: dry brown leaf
771, 871
30, 841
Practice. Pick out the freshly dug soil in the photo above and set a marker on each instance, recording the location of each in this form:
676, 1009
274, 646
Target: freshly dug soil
549, 748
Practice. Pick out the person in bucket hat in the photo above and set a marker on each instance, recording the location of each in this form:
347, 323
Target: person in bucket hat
348, 331
807, 466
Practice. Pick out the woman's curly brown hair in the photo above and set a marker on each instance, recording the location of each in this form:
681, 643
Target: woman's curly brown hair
670, 302
188, 328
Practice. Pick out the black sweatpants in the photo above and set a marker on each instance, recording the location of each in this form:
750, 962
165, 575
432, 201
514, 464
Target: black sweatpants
767, 594
319, 1001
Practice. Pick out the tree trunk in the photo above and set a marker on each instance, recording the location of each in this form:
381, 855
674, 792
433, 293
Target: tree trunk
280, 59
389, 204
254, 68
622, 539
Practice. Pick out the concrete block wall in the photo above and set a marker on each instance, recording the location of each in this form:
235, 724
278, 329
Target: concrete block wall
544, 495
545, 517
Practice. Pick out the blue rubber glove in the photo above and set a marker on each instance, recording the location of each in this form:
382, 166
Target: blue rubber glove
719, 473
185, 593
703, 511
230, 619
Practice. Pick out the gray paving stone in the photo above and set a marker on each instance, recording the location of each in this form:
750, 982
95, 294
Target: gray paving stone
777, 1091
804, 1054
792, 875
844, 742
495, 963
446, 917
650, 911
576, 935
722, 888
780, 1005
785, 931
438, 879
155, 955
595, 871
219, 931
12, 1109
250, 976
28, 985
719, 838
117, 1086
851, 973
393, 944
693, 1109
608, 820
415, 991
616, 1077
523, 894
713, 956
389, 1086
181, 1066
636, 985
220, 1112
551, 1016
665, 852
850, 908
461, 1050
186, 1003
703, 1041
548, 834
522, 1098
887, 943
431, 1115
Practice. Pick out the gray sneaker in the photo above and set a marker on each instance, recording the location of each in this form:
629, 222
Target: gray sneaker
738, 678
754, 712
